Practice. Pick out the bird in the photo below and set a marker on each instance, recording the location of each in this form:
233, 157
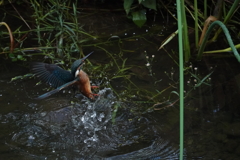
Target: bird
60, 79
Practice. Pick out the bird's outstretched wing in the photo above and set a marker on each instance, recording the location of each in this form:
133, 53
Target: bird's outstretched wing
58, 89
51, 74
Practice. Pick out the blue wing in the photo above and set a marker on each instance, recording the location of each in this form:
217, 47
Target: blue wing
51, 74
58, 89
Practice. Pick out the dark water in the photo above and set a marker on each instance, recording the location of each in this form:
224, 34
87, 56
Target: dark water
70, 126
65, 127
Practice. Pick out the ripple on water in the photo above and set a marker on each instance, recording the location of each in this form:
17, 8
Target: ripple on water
84, 129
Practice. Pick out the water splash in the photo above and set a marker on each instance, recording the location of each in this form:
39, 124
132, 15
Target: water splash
81, 130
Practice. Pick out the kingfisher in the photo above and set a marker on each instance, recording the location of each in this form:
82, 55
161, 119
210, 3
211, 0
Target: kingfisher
60, 79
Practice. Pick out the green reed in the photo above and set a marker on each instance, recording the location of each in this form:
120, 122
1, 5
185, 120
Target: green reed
229, 39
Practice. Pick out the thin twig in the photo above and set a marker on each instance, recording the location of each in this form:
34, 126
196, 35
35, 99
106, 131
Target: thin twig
10, 34
19, 14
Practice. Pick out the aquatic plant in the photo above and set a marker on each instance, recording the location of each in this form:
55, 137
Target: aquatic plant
137, 10
229, 39
180, 13
199, 16
57, 34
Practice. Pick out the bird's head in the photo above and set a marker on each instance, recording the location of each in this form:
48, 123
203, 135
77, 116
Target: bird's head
76, 66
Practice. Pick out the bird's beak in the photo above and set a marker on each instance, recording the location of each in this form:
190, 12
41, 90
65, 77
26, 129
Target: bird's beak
83, 59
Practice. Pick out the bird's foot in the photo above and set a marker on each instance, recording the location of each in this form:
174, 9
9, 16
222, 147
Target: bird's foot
94, 87
93, 96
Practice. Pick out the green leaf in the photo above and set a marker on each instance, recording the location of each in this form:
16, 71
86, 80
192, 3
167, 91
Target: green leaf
19, 57
139, 17
14, 59
175, 92
74, 10
149, 4
22, 77
127, 4
11, 55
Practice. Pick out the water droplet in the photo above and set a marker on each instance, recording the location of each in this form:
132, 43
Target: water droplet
93, 115
31, 137
94, 138
101, 116
43, 114
89, 107
82, 119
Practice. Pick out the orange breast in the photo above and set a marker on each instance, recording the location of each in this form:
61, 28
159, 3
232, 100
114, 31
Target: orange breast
84, 84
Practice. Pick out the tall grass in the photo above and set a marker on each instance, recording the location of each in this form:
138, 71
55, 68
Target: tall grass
55, 31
